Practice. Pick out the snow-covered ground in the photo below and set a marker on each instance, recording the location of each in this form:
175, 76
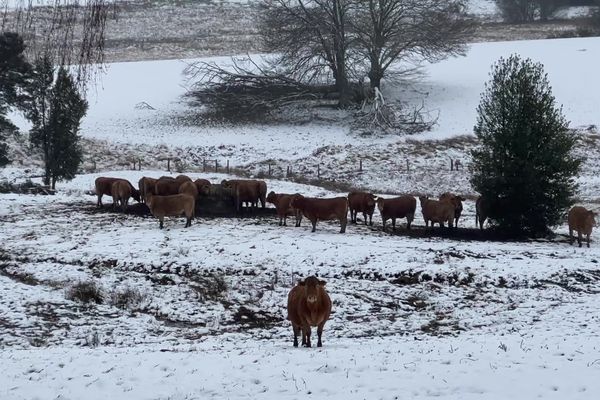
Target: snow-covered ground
422, 316
418, 317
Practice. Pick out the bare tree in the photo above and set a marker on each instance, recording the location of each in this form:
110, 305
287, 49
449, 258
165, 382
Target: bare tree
67, 32
389, 31
311, 37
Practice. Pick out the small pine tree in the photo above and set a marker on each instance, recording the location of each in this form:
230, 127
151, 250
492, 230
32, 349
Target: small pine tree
14, 70
56, 109
524, 166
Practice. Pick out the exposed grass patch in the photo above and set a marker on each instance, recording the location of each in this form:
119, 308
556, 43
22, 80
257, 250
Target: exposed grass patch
126, 298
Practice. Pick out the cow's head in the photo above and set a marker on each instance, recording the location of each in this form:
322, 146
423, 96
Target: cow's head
271, 197
380, 203
136, 195
312, 286
423, 199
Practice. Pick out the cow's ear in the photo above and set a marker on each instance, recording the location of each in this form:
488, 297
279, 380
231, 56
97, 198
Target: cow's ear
301, 282
322, 283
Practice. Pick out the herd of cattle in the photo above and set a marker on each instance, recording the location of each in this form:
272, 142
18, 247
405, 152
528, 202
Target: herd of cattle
308, 305
168, 196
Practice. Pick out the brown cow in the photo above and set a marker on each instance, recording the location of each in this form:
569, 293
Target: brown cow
121, 192
481, 211
361, 202
397, 207
104, 186
203, 186
323, 209
189, 188
183, 178
581, 220
166, 186
244, 192
282, 203
456, 201
172, 206
145, 185
437, 211
308, 305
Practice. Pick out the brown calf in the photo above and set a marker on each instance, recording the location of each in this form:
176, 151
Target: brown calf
581, 220
456, 201
308, 305
437, 211
282, 203
397, 207
323, 209
172, 206
104, 187
146, 185
361, 202
121, 193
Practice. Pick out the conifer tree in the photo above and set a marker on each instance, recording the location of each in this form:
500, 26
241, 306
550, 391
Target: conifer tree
525, 166
56, 109
14, 70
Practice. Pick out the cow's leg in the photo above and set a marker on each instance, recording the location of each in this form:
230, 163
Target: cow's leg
188, 222
409, 220
579, 238
571, 236
365, 217
285, 219
99, 203
320, 333
296, 330
371, 219
161, 219
306, 329
383, 219
393, 224
588, 240
314, 224
298, 219
343, 223
280, 220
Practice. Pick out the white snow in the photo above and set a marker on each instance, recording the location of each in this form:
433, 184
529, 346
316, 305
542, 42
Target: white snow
412, 318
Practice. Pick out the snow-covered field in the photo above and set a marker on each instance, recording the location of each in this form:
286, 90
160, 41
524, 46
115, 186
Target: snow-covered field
412, 317
200, 313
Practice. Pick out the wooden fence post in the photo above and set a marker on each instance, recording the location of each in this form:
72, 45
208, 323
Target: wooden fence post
227, 166
407, 166
269, 170
451, 165
94, 165
319, 171
169, 164
139, 164
216, 165
360, 165
204, 165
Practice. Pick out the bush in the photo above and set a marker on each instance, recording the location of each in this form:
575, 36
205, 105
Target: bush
85, 292
524, 167
126, 298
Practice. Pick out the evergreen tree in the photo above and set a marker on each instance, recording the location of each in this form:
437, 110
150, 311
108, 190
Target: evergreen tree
56, 109
524, 166
14, 70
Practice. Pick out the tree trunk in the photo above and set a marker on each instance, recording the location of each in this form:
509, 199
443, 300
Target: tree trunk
53, 182
375, 74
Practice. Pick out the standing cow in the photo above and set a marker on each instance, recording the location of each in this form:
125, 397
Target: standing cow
581, 220
103, 186
323, 209
437, 212
282, 203
362, 202
397, 207
308, 305
456, 201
